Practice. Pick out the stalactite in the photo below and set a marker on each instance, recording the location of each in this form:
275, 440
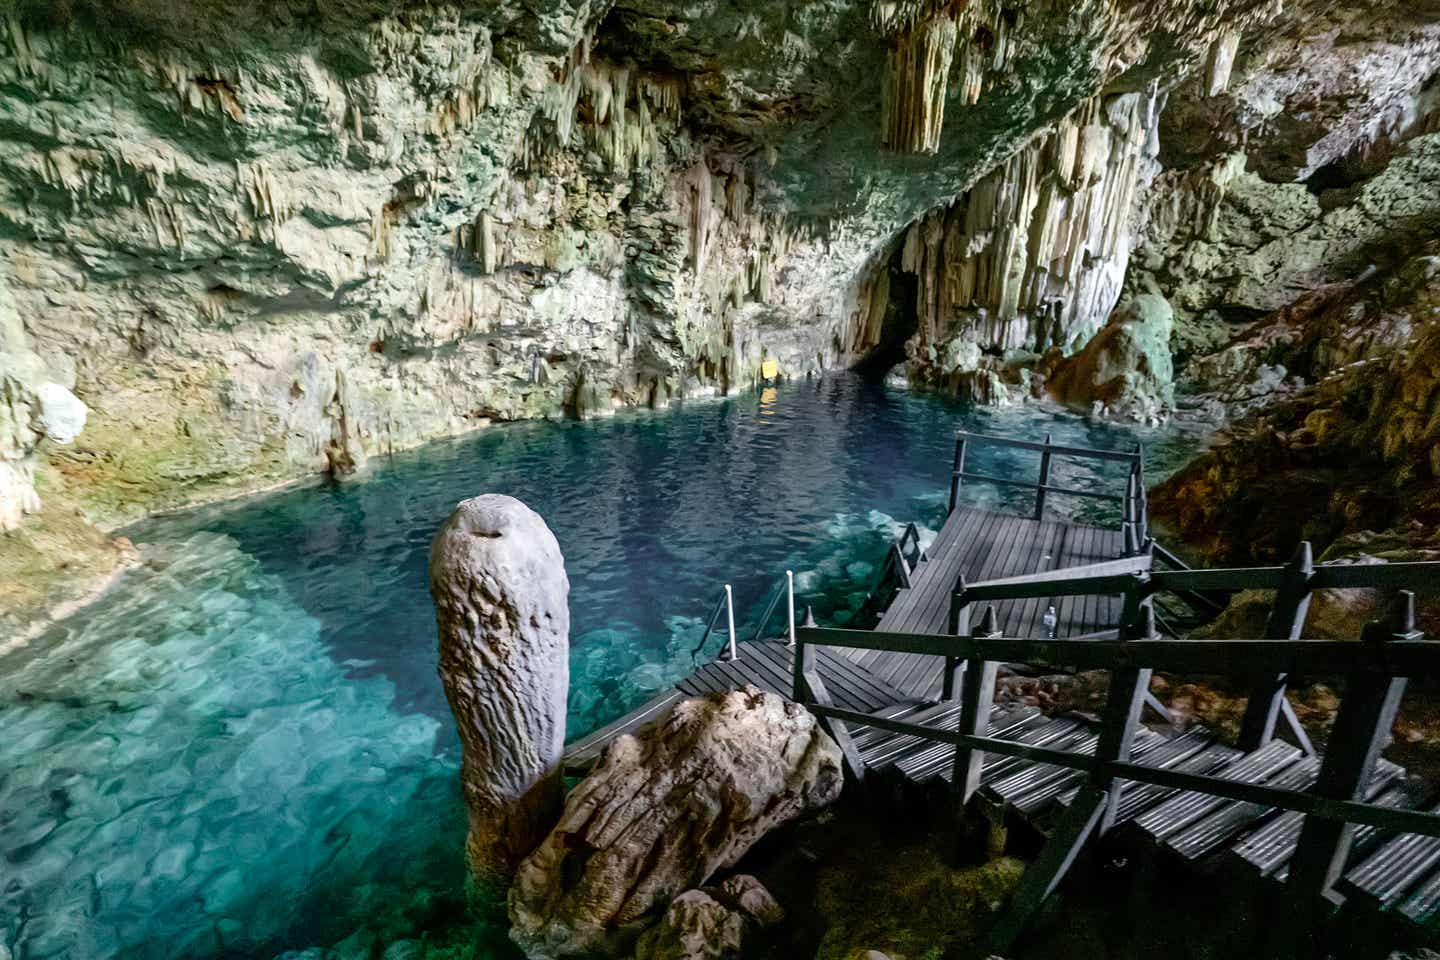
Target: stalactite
616, 110
1037, 245
1220, 62
917, 68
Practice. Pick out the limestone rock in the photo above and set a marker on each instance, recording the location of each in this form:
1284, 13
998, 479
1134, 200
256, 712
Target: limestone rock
664, 810
33, 406
501, 601
710, 923
1125, 371
60, 415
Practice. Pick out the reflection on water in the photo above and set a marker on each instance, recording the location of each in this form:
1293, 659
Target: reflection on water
243, 747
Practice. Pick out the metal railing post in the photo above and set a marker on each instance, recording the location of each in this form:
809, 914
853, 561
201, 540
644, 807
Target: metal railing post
790, 604
958, 469
730, 618
1044, 480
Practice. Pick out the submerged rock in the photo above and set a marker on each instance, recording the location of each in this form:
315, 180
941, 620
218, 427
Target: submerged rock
663, 811
1125, 371
713, 922
500, 591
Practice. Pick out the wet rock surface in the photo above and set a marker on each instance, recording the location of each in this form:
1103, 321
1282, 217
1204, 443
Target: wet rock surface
662, 812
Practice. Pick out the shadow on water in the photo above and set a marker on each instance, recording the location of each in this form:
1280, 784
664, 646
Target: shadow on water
244, 748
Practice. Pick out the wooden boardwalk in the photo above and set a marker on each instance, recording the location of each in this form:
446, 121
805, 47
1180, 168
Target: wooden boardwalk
1314, 830
767, 664
984, 545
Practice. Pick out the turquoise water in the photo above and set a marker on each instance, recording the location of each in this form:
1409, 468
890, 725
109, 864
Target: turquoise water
243, 749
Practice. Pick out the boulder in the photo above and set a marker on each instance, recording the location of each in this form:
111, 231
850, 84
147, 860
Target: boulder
500, 591
1125, 371
664, 809
710, 923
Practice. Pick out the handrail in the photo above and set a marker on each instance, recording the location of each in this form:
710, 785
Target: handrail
1376, 670
1048, 487
1114, 576
1134, 519
726, 602
1400, 658
1056, 448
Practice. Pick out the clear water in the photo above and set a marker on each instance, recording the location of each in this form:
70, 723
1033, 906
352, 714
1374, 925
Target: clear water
243, 747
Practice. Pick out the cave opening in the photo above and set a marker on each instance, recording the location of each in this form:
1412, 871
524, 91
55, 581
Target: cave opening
899, 321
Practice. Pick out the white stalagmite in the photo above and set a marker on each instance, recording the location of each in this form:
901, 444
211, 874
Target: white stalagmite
501, 602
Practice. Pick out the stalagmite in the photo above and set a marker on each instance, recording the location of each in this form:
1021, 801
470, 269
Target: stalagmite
501, 602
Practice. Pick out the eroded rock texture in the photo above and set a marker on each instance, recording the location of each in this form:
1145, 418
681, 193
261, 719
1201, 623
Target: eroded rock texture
1356, 453
501, 602
283, 242
1125, 370
711, 923
662, 812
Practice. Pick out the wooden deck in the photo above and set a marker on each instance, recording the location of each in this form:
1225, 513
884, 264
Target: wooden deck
1243, 811
768, 665
984, 545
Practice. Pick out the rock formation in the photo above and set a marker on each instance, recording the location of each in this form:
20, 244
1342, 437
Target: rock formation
1353, 453
279, 245
665, 809
1125, 370
501, 602
33, 407
711, 923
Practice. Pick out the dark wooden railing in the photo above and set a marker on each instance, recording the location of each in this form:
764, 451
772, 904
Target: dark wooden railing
1375, 671
1133, 502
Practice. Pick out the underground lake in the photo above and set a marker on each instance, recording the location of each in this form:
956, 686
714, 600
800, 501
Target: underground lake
242, 748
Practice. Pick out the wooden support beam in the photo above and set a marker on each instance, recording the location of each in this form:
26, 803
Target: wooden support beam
1055, 860
975, 704
839, 732
804, 662
1094, 810
1362, 728
1286, 622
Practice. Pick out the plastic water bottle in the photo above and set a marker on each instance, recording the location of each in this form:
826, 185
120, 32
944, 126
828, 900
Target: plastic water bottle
1050, 621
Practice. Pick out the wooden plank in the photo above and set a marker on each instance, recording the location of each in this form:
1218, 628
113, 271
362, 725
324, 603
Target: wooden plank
1187, 807
1214, 831
1267, 849
1391, 872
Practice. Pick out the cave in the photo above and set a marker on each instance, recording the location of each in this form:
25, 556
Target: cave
857, 480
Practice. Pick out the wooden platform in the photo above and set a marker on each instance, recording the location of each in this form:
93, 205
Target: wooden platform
768, 665
1246, 813
984, 545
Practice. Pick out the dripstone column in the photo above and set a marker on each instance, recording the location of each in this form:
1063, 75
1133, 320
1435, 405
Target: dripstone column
500, 591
